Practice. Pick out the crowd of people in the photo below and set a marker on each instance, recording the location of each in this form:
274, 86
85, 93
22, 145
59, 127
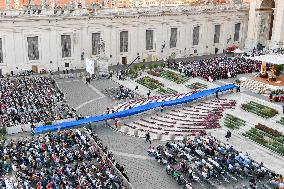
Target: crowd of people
31, 99
67, 159
205, 159
256, 52
216, 68
120, 92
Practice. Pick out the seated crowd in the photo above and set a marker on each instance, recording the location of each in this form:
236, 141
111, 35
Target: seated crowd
67, 159
120, 92
206, 159
34, 99
216, 68
256, 52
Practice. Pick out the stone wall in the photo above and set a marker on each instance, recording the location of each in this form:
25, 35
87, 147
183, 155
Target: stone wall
14, 33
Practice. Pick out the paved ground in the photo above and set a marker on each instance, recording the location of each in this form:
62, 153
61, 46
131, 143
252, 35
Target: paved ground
144, 172
87, 99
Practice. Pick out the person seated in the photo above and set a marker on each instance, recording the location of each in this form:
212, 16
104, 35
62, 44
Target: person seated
175, 173
188, 185
151, 151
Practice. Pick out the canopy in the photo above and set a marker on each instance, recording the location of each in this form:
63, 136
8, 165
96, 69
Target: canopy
270, 58
238, 51
134, 111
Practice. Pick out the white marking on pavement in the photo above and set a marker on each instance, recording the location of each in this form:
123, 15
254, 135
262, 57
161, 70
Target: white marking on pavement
96, 90
69, 81
131, 155
88, 102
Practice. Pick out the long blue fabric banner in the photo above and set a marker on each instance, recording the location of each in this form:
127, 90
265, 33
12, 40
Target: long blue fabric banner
135, 110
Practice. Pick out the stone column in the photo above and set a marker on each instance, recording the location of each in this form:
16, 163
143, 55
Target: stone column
7, 5
277, 39
43, 4
251, 40
16, 4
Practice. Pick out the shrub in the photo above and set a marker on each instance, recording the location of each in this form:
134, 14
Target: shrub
131, 71
143, 67
3, 131
156, 66
157, 74
151, 67
135, 67
278, 69
268, 130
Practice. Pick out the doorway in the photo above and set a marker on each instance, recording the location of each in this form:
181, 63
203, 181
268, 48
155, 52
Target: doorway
124, 60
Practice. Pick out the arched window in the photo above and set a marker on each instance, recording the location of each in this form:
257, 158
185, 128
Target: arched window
267, 4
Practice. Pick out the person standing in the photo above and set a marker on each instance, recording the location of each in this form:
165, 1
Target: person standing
238, 88
162, 107
228, 135
148, 94
33, 129
116, 122
147, 136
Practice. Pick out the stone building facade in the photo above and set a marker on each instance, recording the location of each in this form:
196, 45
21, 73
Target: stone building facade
266, 24
62, 42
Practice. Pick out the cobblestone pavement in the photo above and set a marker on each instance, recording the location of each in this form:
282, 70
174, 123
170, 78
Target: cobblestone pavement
76, 91
258, 153
143, 171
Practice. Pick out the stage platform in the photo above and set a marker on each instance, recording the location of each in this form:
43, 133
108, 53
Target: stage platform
279, 81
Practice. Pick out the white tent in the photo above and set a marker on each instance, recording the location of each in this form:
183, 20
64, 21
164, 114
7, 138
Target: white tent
238, 51
270, 58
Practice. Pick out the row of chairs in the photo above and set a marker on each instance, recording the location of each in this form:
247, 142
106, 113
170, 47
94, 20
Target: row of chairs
187, 120
255, 86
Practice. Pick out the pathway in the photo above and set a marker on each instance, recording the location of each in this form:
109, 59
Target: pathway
143, 171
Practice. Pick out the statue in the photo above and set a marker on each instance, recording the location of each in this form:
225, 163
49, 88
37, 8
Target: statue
273, 71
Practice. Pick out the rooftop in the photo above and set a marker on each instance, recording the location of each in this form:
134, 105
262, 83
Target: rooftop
182, 9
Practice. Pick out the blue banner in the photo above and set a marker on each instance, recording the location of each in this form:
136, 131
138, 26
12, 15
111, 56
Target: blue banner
135, 110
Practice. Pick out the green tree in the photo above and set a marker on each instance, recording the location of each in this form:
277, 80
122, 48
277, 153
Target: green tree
279, 69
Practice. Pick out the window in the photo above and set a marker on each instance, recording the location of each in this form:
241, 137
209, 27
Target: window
1, 51
124, 41
196, 35
33, 53
173, 38
149, 39
217, 34
66, 45
237, 32
96, 39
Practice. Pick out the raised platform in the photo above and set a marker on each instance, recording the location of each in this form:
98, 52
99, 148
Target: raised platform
278, 83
